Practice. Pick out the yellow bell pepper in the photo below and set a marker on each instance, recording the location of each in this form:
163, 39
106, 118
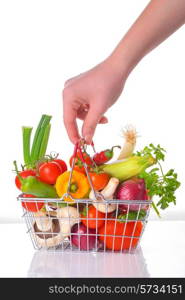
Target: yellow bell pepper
79, 185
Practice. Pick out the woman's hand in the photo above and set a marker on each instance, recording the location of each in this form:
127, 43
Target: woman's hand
88, 96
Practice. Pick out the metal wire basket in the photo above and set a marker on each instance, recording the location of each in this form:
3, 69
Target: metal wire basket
60, 225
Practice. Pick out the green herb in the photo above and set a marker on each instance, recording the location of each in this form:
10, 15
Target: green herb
132, 215
157, 152
157, 182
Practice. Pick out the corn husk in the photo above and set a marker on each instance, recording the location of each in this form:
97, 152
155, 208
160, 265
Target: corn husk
129, 167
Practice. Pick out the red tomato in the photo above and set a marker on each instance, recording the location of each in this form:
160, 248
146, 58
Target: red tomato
92, 218
23, 174
62, 164
78, 162
99, 180
32, 206
49, 172
114, 228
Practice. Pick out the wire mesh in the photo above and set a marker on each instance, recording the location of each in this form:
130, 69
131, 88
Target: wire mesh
59, 225
66, 223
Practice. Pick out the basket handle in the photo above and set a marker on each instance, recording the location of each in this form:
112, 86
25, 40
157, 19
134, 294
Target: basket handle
78, 147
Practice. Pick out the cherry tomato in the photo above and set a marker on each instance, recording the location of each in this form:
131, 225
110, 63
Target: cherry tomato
99, 180
23, 174
114, 228
49, 172
62, 164
32, 206
92, 218
79, 163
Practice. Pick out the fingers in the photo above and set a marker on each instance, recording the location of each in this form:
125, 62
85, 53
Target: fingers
82, 114
74, 108
103, 120
93, 117
69, 116
71, 80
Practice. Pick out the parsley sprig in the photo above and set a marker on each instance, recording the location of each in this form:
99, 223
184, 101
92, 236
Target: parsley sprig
157, 182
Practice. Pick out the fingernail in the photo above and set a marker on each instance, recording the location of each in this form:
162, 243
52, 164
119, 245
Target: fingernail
104, 121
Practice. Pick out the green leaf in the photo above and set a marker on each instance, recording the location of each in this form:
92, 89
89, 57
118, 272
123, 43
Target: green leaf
156, 151
85, 211
132, 215
157, 182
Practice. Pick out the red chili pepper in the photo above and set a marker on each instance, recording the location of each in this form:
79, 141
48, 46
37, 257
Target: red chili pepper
80, 157
104, 156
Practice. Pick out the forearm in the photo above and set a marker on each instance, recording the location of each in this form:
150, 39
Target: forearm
80, 97
157, 22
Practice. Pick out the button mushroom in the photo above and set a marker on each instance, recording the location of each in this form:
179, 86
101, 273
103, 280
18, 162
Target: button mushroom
67, 217
50, 232
50, 238
107, 193
43, 222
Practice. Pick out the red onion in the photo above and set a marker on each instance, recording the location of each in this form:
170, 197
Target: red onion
81, 239
132, 189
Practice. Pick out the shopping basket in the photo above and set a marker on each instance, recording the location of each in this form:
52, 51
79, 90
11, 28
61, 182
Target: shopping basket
60, 227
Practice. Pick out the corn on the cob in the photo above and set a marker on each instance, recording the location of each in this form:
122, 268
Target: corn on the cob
128, 167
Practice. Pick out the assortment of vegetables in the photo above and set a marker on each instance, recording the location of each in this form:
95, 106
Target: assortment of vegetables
100, 222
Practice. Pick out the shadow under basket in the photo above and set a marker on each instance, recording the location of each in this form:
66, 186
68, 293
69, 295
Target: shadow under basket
59, 225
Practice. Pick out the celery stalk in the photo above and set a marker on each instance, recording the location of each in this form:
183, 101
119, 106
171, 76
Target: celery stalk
128, 167
26, 134
44, 142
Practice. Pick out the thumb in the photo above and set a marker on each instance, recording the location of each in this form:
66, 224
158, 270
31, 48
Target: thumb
92, 119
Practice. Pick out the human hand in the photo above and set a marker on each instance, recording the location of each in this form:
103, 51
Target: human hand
88, 96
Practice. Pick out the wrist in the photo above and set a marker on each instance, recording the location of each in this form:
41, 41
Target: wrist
116, 66
121, 60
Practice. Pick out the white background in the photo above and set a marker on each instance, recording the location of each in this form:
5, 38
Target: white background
45, 42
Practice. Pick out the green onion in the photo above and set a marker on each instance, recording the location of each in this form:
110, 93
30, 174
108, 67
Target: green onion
39, 135
44, 142
36, 135
26, 134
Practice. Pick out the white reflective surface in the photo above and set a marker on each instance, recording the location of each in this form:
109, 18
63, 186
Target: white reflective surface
48, 264
162, 254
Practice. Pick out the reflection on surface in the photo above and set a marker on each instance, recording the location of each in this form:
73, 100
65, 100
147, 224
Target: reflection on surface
76, 264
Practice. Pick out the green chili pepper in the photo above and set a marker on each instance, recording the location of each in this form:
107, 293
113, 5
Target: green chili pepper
31, 185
